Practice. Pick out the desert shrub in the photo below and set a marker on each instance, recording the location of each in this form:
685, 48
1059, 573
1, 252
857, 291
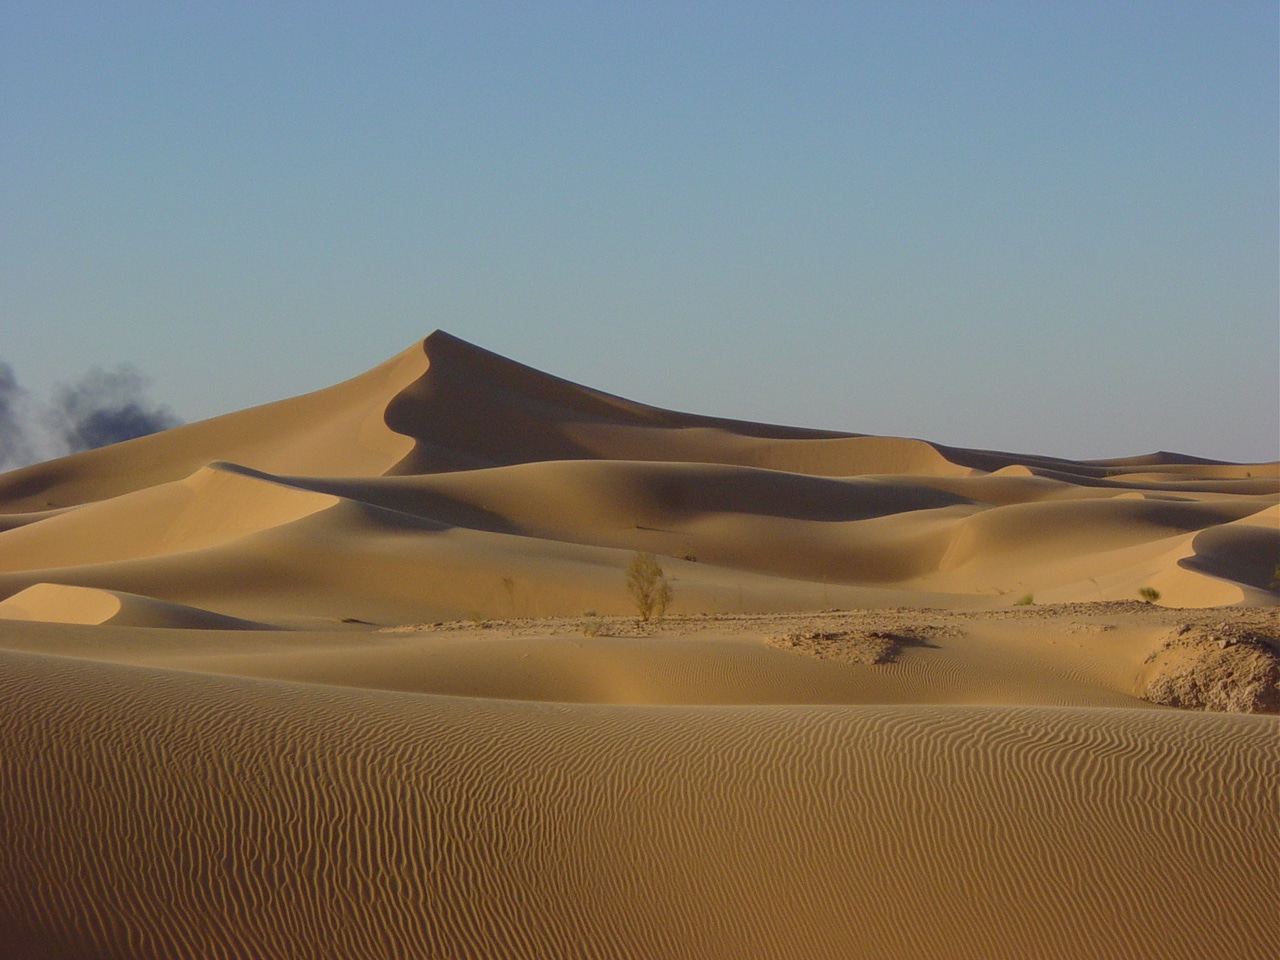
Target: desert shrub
848, 646
649, 587
1025, 600
1149, 594
591, 624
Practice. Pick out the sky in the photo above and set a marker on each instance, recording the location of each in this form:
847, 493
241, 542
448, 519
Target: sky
1047, 228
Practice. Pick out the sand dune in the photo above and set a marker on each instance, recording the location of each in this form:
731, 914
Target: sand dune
453, 436
357, 674
340, 430
259, 819
214, 505
58, 603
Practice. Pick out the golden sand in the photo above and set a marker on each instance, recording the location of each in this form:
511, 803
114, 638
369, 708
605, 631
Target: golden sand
357, 674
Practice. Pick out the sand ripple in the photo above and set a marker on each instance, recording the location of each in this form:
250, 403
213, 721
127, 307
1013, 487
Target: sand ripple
151, 813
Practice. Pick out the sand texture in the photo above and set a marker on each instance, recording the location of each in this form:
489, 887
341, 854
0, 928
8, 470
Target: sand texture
357, 674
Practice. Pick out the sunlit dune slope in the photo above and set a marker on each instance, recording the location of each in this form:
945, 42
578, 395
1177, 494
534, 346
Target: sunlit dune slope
340, 430
57, 603
214, 505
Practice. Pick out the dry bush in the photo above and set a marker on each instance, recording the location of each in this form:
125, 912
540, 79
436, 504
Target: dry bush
650, 589
850, 646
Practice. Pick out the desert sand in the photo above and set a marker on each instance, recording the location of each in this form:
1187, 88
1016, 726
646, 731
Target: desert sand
357, 674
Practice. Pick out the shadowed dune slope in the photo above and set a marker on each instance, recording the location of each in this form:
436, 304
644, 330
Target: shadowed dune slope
473, 408
1246, 551
185, 815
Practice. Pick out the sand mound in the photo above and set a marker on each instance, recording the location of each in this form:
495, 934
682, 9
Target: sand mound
1223, 667
59, 603
215, 505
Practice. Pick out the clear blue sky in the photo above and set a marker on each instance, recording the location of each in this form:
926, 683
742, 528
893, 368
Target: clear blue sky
1043, 227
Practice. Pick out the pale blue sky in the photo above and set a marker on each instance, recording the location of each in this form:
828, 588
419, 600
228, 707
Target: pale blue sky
1042, 227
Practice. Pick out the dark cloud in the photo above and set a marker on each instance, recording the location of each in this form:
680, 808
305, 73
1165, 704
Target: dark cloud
15, 446
108, 406
103, 407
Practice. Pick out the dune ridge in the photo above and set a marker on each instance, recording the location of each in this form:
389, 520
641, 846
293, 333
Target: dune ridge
451, 436
356, 674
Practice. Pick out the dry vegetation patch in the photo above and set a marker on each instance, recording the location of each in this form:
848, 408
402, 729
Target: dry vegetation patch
847, 646
1225, 667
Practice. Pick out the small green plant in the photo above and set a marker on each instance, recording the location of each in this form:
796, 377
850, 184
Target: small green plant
650, 589
591, 624
1149, 594
1275, 577
1026, 600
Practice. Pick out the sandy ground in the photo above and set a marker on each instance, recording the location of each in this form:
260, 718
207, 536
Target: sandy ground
357, 674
